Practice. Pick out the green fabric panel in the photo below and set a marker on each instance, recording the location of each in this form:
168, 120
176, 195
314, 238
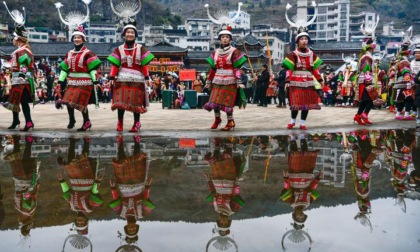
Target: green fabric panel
115, 203
239, 62
286, 194
147, 60
366, 68
317, 63
64, 66
24, 60
287, 63
64, 186
93, 75
211, 62
210, 197
405, 71
94, 65
96, 198
63, 76
238, 199
114, 60
315, 194
67, 195
149, 204
95, 188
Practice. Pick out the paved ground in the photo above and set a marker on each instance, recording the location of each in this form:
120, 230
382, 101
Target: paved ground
196, 122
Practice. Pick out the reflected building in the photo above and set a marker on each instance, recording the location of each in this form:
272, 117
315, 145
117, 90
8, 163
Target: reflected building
331, 158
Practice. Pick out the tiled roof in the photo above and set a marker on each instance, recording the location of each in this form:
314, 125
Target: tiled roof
100, 49
249, 39
164, 46
175, 32
198, 54
339, 45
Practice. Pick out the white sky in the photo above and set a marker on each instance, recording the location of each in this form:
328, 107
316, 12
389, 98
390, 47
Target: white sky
332, 229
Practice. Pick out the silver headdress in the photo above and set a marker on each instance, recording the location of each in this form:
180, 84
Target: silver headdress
369, 31
79, 242
297, 235
349, 59
363, 219
20, 19
301, 19
222, 243
399, 201
75, 19
378, 57
17, 16
222, 19
126, 10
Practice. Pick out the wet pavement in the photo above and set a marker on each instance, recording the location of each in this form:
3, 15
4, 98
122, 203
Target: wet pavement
328, 189
50, 122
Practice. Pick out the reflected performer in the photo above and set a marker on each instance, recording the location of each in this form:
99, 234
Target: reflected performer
400, 145
130, 190
414, 174
223, 181
365, 151
82, 191
300, 184
26, 175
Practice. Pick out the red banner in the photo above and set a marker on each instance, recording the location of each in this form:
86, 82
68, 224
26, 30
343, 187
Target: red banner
187, 143
187, 75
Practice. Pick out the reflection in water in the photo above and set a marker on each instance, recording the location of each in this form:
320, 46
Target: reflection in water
25, 171
300, 184
351, 171
130, 189
365, 151
400, 145
82, 192
226, 170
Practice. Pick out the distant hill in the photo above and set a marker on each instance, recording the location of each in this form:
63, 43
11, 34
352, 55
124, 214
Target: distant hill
44, 13
402, 12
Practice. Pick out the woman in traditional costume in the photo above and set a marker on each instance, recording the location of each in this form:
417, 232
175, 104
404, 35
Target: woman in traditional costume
224, 76
366, 92
129, 73
302, 67
79, 67
22, 68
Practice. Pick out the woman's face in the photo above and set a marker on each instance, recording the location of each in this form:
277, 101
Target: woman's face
303, 42
130, 35
77, 40
225, 39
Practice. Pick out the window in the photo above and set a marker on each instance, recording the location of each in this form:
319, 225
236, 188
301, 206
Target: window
321, 27
322, 9
44, 37
322, 18
172, 40
321, 35
370, 18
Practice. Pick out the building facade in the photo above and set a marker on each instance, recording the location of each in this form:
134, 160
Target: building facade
332, 22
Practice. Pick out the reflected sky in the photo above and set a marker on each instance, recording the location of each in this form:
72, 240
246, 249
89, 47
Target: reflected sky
170, 174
